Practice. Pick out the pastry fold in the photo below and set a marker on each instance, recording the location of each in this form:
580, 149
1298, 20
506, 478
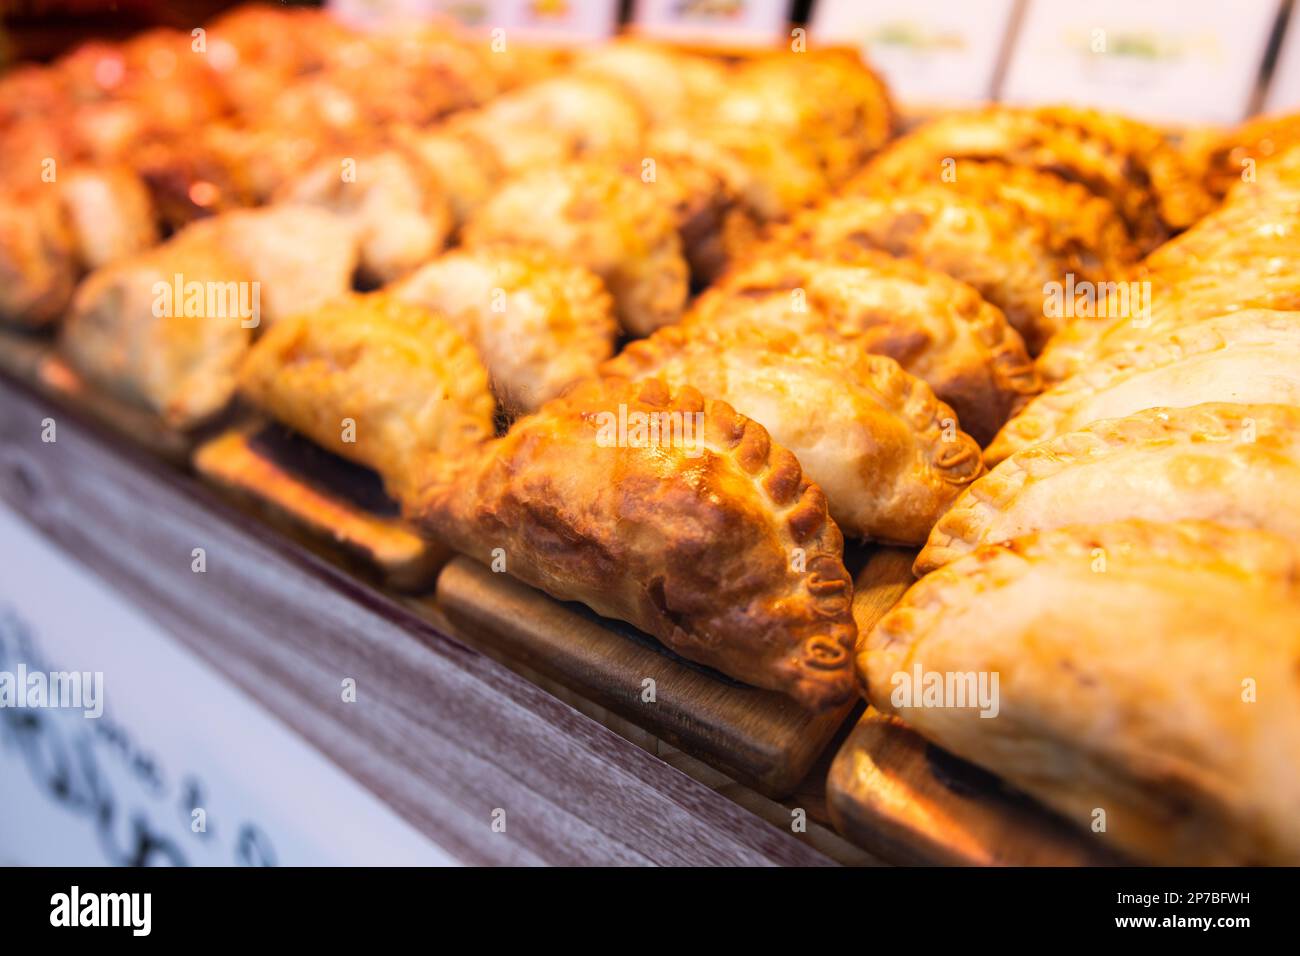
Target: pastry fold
1143, 670
1250, 357
939, 329
384, 383
888, 454
671, 512
607, 221
1235, 464
538, 322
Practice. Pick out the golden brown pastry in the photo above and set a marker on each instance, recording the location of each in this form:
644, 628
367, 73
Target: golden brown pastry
1085, 229
667, 83
1009, 258
38, 266
396, 207
1144, 670
165, 329
1234, 464
1126, 162
701, 532
301, 257
567, 117
465, 165
937, 328
538, 322
828, 99
610, 222
889, 455
1247, 357
384, 383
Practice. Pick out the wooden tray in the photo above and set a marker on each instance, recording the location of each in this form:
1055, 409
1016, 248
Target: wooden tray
759, 737
312, 493
907, 801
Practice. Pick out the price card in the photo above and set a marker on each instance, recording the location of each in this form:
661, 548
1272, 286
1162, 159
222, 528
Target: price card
1166, 61
722, 22
120, 747
932, 52
1284, 89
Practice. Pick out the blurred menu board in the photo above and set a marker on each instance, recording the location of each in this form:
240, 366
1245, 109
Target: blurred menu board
1167, 61
1284, 90
932, 52
726, 22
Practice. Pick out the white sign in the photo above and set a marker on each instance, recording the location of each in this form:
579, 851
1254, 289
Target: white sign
1166, 61
180, 768
932, 52
1284, 89
724, 22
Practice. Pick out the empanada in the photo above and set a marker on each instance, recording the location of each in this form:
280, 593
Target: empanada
110, 213
666, 82
1247, 357
1126, 162
538, 322
671, 512
393, 202
610, 222
38, 263
165, 329
300, 256
936, 327
889, 455
1009, 258
381, 382
1143, 671
1235, 464
1235, 155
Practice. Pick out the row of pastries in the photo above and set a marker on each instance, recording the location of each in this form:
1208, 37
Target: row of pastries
480, 260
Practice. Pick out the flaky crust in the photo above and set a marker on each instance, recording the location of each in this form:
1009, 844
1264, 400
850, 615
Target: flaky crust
1251, 357
1225, 159
37, 258
538, 322
1235, 464
939, 329
1123, 653
888, 454
1008, 257
128, 331
413, 389
719, 546
607, 221
1120, 160
1084, 228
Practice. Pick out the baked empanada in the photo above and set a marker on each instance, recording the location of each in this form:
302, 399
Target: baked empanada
1083, 227
1231, 157
1235, 464
1144, 670
1126, 162
393, 202
300, 256
937, 328
1009, 258
610, 222
1248, 357
38, 266
538, 322
381, 382
671, 512
889, 455
165, 329
110, 213
667, 83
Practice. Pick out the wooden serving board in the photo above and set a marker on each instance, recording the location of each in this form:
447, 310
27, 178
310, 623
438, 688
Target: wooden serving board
313, 494
903, 799
759, 737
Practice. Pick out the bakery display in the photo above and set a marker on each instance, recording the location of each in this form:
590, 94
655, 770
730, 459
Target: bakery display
653, 330
673, 512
